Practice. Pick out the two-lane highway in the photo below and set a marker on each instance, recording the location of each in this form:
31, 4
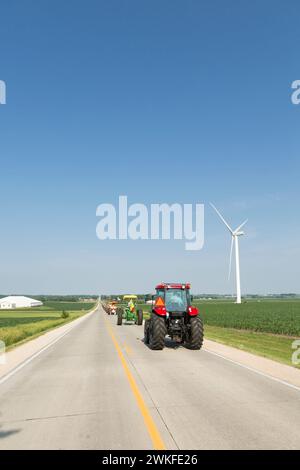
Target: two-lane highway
100, 387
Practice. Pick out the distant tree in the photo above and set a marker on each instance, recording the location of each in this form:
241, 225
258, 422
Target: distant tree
65, 314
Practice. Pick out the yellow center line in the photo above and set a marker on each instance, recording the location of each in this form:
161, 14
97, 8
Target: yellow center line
157, 441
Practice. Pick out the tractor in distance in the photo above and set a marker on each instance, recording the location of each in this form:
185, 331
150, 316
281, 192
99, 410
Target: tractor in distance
112, 307
173, 315
129, 312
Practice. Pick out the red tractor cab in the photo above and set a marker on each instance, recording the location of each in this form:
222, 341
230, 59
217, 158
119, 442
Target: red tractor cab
173, 315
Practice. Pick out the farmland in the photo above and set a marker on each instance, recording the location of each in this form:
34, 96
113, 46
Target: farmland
263, 327
19, 325
278, 317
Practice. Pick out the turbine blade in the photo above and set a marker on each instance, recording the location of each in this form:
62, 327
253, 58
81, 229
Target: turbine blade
222, 218
240, 226
230, 259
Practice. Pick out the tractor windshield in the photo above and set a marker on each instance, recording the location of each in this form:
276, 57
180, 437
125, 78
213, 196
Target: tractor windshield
176, 300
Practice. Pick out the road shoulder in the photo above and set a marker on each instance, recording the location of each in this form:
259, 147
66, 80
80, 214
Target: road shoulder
262, 365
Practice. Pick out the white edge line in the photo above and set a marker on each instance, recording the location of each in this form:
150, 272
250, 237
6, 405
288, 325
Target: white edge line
31, 358
276, 379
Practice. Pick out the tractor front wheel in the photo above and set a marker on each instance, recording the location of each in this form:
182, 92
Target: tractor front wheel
157, 332
120, 316
195, 339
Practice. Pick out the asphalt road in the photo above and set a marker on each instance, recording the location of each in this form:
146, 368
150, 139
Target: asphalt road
100, 387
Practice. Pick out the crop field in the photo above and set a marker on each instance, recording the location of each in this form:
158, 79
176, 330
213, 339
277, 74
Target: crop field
265, 327
277, 317
19, 325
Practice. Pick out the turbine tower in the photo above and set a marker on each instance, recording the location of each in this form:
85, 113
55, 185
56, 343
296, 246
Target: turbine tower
235, 234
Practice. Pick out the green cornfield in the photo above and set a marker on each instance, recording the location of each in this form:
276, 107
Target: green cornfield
277, 317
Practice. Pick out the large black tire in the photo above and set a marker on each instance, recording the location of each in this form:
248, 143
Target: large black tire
146, 331
157, 332
139, 317
120, 316
195, 340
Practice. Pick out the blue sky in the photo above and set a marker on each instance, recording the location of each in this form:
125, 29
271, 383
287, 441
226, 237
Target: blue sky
164, 101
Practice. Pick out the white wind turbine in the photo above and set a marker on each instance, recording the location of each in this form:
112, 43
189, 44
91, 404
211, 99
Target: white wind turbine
235, 234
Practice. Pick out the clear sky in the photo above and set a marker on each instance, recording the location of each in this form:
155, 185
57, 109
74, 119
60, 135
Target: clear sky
161, 100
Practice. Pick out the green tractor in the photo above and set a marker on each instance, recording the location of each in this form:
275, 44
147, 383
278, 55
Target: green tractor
128, 311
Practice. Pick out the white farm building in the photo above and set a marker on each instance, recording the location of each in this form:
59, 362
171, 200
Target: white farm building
18, 301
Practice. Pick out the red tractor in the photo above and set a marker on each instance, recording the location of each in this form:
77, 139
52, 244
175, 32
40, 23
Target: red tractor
172, 314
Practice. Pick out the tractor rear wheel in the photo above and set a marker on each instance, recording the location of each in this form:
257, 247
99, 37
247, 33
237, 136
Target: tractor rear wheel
139, 317
157, 332
120, 316
195, 340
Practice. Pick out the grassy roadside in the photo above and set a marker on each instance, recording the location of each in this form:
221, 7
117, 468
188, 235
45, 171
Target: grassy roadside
21, 325
278, 348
